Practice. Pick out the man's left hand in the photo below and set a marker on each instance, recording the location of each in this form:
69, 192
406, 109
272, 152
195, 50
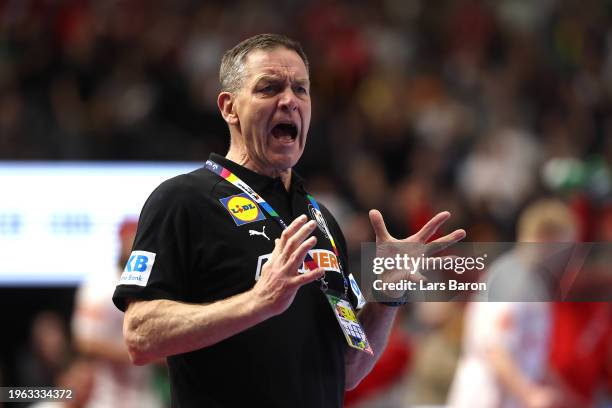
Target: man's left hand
387, 245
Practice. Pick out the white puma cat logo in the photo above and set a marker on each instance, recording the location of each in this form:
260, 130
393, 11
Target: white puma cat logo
262, 233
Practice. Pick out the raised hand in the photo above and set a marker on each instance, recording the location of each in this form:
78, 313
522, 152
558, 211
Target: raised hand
280, 280
424, 234
389, 246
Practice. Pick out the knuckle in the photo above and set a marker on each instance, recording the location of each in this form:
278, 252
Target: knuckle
293, 259
292, 241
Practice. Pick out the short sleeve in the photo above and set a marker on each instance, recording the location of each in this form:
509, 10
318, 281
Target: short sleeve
161, 254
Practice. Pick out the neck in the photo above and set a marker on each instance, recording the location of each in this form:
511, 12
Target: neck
242, 158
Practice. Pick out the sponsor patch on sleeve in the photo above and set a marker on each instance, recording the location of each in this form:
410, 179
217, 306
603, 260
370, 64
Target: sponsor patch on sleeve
242, 209
138, 268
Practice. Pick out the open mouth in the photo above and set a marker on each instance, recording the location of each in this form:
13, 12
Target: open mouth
285, 132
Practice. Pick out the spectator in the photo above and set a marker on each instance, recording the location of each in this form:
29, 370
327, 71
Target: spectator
507, 344
48, 351
98, 334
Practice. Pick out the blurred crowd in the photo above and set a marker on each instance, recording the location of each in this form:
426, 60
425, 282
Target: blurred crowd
87, 354
474, 106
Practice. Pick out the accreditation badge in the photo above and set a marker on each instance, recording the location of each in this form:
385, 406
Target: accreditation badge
345, 314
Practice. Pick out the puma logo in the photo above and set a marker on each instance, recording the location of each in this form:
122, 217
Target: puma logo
262, 233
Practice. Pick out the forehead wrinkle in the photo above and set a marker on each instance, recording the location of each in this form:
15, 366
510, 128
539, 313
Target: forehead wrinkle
260, 64
267, 76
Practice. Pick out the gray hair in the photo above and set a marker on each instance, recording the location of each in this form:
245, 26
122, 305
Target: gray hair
231, 72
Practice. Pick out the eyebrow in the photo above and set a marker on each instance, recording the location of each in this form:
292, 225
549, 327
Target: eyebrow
279, 78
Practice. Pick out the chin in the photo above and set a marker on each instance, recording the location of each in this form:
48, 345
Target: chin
284, 163
284, 160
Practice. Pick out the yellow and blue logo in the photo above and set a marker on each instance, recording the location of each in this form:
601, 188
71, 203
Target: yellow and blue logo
242, 209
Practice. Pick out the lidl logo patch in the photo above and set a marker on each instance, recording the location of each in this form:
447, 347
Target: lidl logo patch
242, 209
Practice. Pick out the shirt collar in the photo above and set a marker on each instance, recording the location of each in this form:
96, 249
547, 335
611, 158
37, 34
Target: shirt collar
256, 181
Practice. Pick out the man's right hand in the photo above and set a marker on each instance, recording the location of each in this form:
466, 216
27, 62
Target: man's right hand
280, 279
158, 328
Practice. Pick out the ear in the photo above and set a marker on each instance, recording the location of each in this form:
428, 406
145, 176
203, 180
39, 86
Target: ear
225, 102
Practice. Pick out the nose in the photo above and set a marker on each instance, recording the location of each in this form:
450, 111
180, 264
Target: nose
288, 101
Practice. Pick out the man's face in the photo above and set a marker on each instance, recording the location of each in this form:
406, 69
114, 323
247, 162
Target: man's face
273, 108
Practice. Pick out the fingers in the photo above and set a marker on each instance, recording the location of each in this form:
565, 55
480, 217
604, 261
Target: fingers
294, 244
444, 242
294, 241
378, 224
308, 277
291, 229
432, 226
297, 257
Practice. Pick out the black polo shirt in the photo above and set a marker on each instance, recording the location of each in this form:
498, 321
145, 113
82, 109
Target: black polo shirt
199, 240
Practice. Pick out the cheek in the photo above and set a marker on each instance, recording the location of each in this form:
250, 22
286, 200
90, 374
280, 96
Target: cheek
258, 114
259, 118
306, 120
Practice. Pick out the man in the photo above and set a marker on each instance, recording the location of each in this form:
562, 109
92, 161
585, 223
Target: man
507, 344
214, 280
